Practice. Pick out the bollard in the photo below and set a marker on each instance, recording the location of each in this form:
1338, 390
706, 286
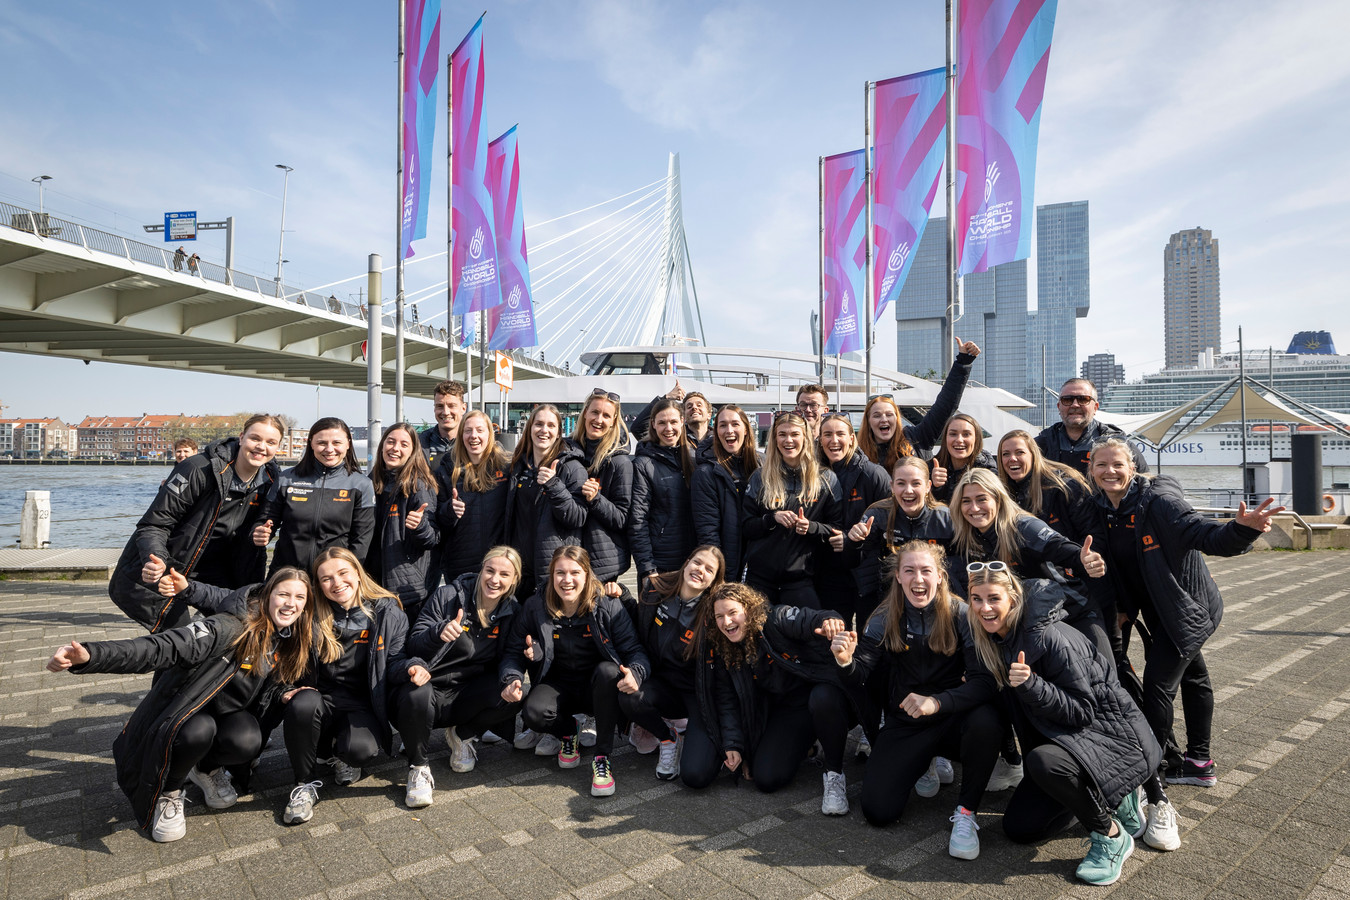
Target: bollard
35, 524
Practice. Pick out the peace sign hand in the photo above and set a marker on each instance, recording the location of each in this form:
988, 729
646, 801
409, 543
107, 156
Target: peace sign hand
1259, 518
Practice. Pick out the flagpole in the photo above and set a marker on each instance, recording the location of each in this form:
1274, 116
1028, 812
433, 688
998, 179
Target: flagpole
820, 284
868, 299
953, 279
449, 218
481, 337
398, 226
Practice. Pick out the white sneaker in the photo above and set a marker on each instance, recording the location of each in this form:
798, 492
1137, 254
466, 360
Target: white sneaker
463, 752
642, 740
216, 787
944, 769
421, 787
835, 800
527, 740
1005, 777
587, 730
928, 783
344, 774
864, 747
168, 823
964, 842
548, 745
491, 737
300, 808
668, 763
1161, 833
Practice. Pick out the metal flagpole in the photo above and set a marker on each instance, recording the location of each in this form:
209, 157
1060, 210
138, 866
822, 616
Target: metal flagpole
468, 361
398, 227
953, 280
868, 299
1242, 401
820, 320
449, 218
374, 358
482, 359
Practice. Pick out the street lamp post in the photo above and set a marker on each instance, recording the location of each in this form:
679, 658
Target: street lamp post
41, 182
281, 240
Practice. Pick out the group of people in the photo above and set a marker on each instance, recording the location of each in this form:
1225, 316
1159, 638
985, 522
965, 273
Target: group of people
180, 256
896, 582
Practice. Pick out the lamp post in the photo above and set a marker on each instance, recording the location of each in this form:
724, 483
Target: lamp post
281, 240
41, 182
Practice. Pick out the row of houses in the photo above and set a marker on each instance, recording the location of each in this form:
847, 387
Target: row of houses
116, 437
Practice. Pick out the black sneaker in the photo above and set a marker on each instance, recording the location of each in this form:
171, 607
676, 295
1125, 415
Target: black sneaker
1201, 774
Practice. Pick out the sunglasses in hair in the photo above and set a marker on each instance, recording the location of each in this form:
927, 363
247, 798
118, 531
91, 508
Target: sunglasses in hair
890, 397
836, 415
1076, 399
608, 395
996, 565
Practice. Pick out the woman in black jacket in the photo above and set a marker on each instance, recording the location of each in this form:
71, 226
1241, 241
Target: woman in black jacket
936, 701
792, 508
602, 441
725, 465
962, 448
1052, 492
770, 688
544, 506
201, 523
581, 652
1087, 746
201, 714
1155, 544
343, 707
461, 634
471, 481
861, 483
665, 617
660, 522
886, 439
406, 538
324, 501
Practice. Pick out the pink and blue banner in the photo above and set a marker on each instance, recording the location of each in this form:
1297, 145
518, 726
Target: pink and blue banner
510, 325
473, 269
910, 132
421, 65
845, 200
1004, 53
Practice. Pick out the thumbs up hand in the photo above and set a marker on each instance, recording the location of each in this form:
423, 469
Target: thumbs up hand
531, 653
627, 684
836, 540
939, 475
456, 504
73, 654
859, 532
1019, 671
153, 570
545, 474
843, 645
970, 348
414, 518
172, 584
454, 628
803, 523
1093, 563
262, 534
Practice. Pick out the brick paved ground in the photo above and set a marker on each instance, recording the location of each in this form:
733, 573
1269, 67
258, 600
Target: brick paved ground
518, 827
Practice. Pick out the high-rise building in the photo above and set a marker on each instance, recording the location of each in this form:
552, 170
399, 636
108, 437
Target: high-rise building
1102, 370
1062, 297
1190, 297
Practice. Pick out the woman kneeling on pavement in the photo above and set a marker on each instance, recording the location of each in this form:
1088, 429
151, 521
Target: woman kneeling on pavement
665, 618
936, 697
581, 652
1087, 747
201, 715
461, 634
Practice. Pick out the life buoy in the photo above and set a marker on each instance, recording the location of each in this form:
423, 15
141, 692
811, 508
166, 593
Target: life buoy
1328, 503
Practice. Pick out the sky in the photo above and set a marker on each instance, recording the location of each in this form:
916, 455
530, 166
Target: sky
1164, 116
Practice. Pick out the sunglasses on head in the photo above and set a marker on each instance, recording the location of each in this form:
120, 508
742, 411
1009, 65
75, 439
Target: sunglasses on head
997, 565
890, 397
1076, 399
836, 415
608, 395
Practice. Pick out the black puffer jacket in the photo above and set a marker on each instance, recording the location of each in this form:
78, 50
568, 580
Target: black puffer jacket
177, 528
477, 650
1068, 511
891, 528
923, 435
779, 554
983, 460
861, 484
660, 521
1171, 540
1074, 699
434, 446
1037, 545
310, 513
715, 496
609, 624
1056, 445
483, 526
400, 559
557, 512
605, 535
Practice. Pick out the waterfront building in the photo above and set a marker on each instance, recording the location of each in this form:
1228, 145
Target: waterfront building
1102, 370
36, 438
1063, 296
1190, 297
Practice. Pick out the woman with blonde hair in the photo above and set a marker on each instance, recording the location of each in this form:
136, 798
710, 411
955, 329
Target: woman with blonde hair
792, 509
725, 465
471, 481
935, 702
544, 505
461, 636
1087, 746
602, 441
962, 448
341, 711
406, 537
886, 439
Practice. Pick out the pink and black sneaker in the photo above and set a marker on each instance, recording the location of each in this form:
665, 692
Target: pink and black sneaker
1193, 771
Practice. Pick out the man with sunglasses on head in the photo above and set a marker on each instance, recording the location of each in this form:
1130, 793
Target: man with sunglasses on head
1070, 439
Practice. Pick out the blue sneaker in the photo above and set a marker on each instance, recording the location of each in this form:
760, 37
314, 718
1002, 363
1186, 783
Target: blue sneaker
1130, 814
1105, 857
